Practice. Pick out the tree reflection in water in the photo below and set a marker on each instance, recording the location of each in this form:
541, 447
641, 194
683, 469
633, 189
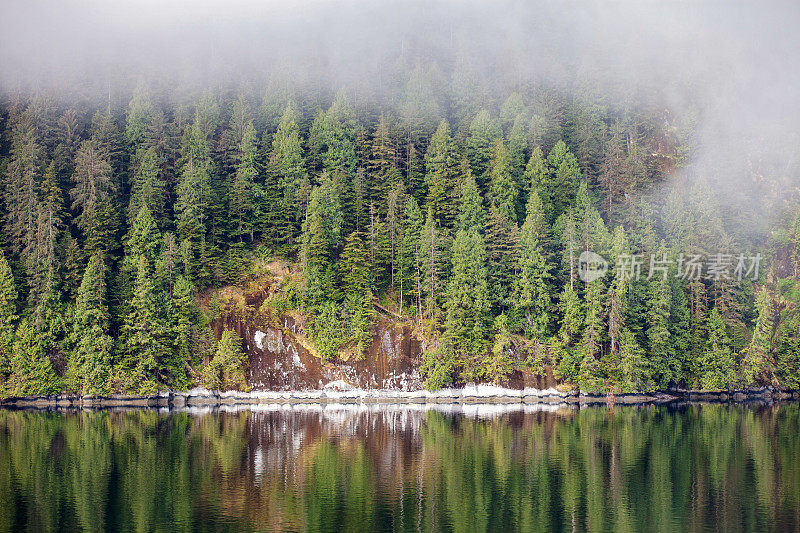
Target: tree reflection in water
391, 468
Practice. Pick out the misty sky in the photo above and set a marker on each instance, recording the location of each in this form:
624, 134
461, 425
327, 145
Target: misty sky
733, 64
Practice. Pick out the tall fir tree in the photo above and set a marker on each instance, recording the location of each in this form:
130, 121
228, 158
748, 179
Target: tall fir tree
484, 132
8, 315
718, 372
242, 193
503, 186
89, 365
532, 285
442, 173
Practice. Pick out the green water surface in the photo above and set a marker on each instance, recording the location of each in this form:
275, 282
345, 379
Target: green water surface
305, 468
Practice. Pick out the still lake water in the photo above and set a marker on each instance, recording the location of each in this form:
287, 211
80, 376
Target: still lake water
698, 468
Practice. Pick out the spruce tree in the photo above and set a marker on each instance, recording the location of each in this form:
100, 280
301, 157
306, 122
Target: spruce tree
32, 373
288, 165
562, 178
470, 213
148, 186
21, 179
382, 170
356, 275
433, 263
8, 314
144, 336
92, 196
227, 368
411, 277
90, 361
183, 312
242, 193
467, 303
662, 355
502, 240
757, 363
503, 186
144, 237
535, 177
442, 176
718, 371
531, 288
484, 133
517, 146
618, 291
140, 112
633, 367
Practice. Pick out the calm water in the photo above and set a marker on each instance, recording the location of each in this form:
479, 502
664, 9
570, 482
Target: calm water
356, 469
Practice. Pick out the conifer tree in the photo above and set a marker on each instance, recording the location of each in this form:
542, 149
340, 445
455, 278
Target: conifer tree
572, 317
338, 138
592, 373
467, 303
470, 213
381, 167
288, 165
613, 174
415, 170
148, 186
661, 347
143, 238
535, 177
358, 294
394, 230
465, 91
512, 109
517, 145
8, 314
633, 367
717, 361
105, 131
531, 286
321, 242
411, 276
49, 226
242, 191
183, 314
759, 356
227, 368
680, 329
21, 179
618, 289
502, 239
144, 335
562, 178
90, 362
433, 261
503, 186
442, 176
32, 373
499, 363
484, 132
193, 198
419, 107
140, 112
91, 195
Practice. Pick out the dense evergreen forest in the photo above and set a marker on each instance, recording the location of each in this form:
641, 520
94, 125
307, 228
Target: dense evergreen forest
464, 210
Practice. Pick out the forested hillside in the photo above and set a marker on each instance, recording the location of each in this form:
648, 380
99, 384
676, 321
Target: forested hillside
462, 208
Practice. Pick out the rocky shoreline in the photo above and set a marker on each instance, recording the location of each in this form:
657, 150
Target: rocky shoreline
477, 394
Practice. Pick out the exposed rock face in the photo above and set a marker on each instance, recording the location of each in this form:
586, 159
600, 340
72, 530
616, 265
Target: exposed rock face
279, 362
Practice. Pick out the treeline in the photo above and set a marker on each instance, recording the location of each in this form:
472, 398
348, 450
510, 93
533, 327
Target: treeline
467, 220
